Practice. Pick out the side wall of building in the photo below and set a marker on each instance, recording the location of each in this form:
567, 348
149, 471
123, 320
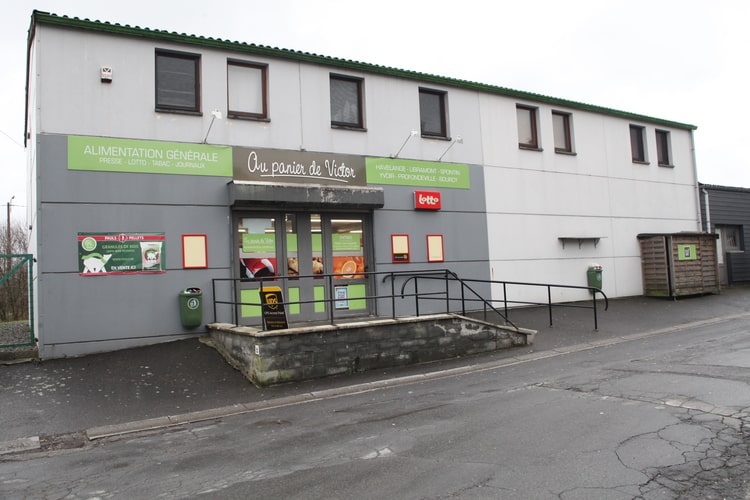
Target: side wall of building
537, 197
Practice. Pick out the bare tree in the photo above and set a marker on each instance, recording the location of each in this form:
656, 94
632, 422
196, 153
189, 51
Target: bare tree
14, 278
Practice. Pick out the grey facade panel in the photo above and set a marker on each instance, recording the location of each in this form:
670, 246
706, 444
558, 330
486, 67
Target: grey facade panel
729, 206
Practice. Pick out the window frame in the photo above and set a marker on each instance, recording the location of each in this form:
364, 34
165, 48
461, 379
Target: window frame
248, 115
533, 113
171, 108
442, 110
663, 148
360, 123
567, 132
737, 234
640, 142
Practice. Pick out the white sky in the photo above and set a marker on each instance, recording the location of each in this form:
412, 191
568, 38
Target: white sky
680, 60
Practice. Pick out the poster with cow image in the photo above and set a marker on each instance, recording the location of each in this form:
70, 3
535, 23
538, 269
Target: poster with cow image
108, 253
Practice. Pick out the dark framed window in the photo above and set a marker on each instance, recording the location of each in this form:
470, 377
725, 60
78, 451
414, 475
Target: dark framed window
731, 238
247, 94
562, 132
177, 81
663, 148
346, 102
432, 117
638, 144
528, 134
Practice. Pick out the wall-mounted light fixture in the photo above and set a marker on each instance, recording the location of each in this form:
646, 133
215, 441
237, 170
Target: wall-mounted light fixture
411, 134
458, 139
215, 115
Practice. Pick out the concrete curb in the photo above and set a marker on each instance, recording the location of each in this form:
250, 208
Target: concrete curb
19, 445
114, 430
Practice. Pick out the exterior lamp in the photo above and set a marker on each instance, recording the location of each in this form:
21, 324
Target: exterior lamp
215, 115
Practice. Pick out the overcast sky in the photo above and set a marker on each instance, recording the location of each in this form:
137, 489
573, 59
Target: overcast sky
681, 60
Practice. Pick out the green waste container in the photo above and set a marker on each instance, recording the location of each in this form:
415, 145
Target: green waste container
191, 307
594, 274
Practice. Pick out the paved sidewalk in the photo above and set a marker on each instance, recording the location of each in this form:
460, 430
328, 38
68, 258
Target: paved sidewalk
135, 388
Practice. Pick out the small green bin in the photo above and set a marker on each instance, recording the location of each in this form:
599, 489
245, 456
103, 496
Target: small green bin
594, 274
191, 307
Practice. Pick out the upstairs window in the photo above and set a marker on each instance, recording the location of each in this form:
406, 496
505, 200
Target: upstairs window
663, 149
247, 90
528, 135
346, 102
432, 113
562, 132
637, 144
177, 81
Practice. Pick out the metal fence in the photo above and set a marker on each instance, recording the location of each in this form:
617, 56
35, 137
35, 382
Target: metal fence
16, 300
434, 290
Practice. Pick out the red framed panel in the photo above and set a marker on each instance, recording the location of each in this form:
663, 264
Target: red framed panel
400, 248
194, 251
435, 249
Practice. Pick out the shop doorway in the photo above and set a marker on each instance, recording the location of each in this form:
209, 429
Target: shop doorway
318, 260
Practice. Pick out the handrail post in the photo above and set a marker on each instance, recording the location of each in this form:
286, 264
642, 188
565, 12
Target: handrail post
549, 303
596, 323
213, 294
393, 296
447, 293
505, 299
463, 297
329, 303
416, 295
237, 306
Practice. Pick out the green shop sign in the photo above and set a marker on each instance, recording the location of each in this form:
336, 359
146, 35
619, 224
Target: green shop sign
148, 157
396, 171
101, 254
258, 243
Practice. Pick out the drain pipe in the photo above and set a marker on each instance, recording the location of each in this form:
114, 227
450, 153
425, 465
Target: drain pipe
708, 209
697, 184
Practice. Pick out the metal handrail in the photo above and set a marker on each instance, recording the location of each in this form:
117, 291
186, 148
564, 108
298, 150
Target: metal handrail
445, 275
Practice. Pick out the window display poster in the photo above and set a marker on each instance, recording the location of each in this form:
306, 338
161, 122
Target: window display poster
258, 256
348, 259
101, 254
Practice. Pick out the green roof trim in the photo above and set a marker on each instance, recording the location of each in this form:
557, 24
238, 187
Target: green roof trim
39, 17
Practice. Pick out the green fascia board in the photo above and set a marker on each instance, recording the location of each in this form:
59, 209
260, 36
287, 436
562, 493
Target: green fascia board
39, 17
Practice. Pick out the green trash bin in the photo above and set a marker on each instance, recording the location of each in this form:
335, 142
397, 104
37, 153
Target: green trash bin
191, 307
594, 274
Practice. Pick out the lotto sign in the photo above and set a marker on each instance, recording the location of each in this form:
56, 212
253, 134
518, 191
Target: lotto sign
427, 200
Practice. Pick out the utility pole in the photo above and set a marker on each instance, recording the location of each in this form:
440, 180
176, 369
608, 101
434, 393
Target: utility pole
8, 246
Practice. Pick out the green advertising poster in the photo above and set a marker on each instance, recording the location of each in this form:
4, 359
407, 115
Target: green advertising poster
258, 243
148, 157
687, 252
396, 171
101, 254
347, 242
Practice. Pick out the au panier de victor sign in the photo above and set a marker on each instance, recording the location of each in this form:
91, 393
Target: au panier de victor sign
297, 167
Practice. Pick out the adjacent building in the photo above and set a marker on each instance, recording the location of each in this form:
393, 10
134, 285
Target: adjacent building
726, 212
161, 161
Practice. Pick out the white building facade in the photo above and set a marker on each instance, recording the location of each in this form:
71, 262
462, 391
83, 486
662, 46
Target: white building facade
227, 160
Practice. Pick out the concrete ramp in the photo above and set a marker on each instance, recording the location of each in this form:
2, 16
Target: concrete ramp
306, 352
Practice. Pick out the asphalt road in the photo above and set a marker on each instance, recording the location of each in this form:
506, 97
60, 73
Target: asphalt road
663, 417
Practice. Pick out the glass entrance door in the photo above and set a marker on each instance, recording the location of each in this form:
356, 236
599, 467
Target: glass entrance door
318, 260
